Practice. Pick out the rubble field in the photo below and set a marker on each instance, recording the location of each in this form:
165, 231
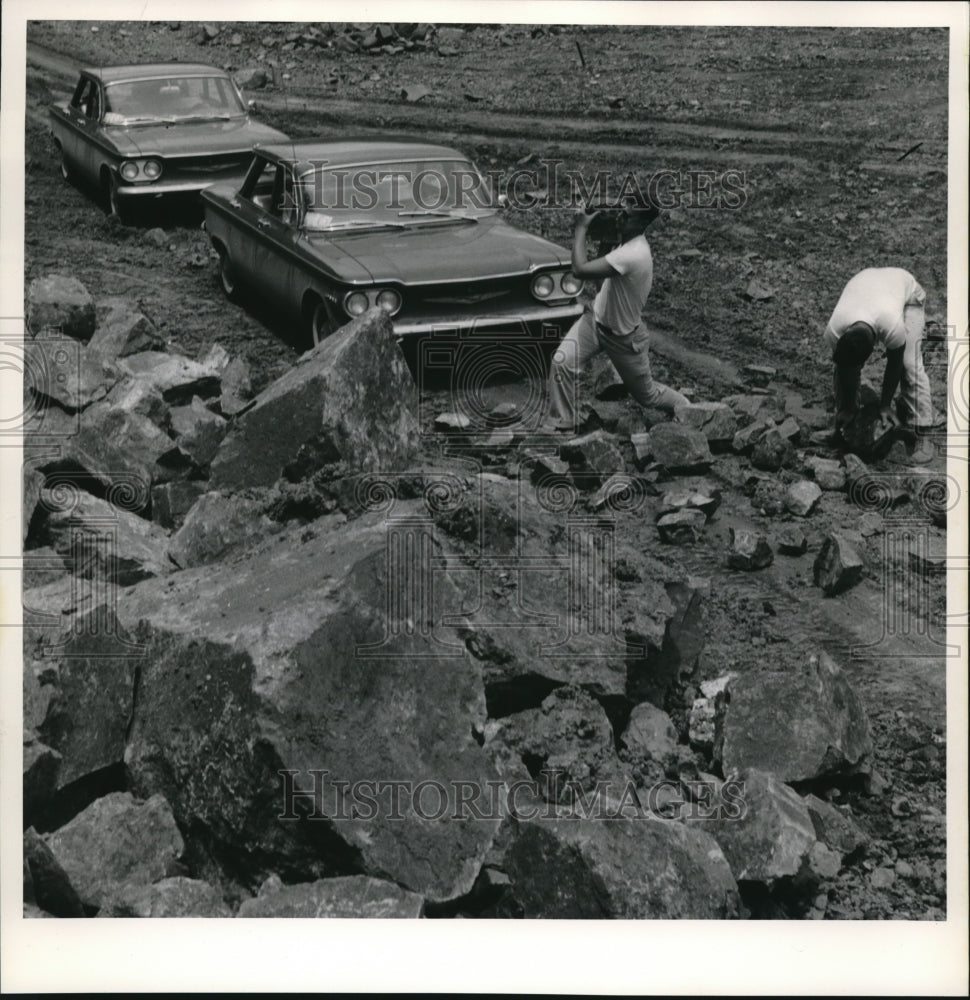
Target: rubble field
736, 710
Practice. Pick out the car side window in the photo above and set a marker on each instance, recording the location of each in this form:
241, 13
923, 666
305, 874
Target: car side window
259, 184
90, 103
284, 205
87, 99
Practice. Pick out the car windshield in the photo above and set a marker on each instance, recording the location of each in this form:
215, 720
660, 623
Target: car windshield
171, 99
396, 195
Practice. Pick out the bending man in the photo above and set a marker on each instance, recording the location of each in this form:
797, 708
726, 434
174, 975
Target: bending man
882, 305
614, 323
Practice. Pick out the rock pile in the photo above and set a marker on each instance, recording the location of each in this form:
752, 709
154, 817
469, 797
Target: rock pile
280, 663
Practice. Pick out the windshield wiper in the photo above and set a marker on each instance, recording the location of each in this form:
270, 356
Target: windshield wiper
354, 224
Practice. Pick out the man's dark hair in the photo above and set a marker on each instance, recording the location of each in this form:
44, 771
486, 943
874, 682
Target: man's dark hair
855, 345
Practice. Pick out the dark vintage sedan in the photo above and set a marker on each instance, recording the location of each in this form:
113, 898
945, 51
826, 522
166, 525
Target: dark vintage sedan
321, 232
142, 132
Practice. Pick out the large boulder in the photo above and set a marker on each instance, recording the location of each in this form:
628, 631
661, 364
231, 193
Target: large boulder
350, 896
115, 843
91, 699
798, 725
630, 869
214, 526
50, 884
198, 430
56, 301
104, 540
84, 379
568, 743
773, 835
123, 451
170, 897
123, 330
594, 456
306, 655
41, 764
350, 400
176, 377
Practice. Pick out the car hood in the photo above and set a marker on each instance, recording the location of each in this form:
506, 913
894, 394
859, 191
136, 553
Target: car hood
191, 138
431, 252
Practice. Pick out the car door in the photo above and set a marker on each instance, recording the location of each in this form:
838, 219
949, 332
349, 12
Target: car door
75, 124
89, 123
276, 231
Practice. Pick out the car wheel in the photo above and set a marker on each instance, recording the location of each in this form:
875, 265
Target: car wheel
66, 171
227, 277
321, 322
117, 206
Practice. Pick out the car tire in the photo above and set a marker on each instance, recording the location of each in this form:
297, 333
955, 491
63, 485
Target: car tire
227, 276
117, 207
66, 172
320, 322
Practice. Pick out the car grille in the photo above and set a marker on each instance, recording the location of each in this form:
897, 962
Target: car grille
469, 296
217, 163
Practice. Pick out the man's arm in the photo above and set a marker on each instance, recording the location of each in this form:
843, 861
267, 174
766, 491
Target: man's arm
581, 267
890, 381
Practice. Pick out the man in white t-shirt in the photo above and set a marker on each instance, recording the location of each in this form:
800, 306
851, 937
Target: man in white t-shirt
882, 305
614, 323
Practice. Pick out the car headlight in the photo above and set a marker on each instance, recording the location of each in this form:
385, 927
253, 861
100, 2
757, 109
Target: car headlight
570, 284
355, 303
129, 170
389, 300
152, 169
543, 286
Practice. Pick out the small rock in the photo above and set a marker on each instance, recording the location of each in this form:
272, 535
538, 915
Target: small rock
792, 541
251, 78
452, 422
415, 92
678, 448
649, 732
927, 565
683, 527
827, 472
757, 292
837, 566
674, 500
759, 375
870, 524
904, 869
237, 387
749, 551
824, 862
593, 453
715, 421
855, 470
771, 451
882, 878
802, 497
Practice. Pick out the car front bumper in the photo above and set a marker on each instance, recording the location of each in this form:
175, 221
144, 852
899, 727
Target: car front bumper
188, 185
562, 315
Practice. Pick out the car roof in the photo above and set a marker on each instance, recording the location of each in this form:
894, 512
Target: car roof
358, 151
149, 71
